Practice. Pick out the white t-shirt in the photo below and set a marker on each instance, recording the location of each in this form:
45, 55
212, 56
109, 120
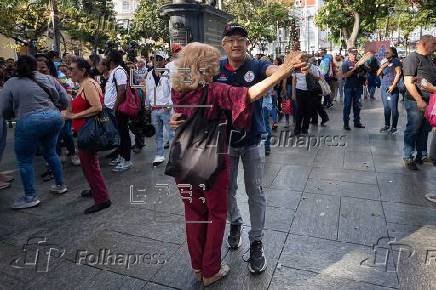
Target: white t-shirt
301, 77
110, 95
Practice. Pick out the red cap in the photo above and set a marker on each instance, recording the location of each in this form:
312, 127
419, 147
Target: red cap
176, 48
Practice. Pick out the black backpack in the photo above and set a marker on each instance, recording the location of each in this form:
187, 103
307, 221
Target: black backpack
198, 151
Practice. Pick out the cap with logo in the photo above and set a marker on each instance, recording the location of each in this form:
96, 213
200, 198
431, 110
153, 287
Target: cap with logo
235, 28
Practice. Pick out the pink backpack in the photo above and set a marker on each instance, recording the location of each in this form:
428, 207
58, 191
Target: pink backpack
430, 112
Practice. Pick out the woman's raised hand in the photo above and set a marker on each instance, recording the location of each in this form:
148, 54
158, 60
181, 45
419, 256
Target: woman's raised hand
294, 60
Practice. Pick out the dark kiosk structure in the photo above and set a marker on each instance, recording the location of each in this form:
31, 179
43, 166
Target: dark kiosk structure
192, 21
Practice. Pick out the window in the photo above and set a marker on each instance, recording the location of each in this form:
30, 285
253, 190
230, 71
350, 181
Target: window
126, 6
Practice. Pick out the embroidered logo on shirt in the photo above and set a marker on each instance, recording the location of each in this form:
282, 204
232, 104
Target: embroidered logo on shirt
222, 78
249, 76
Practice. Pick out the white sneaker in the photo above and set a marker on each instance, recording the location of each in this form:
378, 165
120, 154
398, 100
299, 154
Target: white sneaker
116, 161
431, 197
75, 160
123, 165
158, 160
59, 189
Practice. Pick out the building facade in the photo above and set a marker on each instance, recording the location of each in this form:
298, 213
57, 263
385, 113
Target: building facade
125, 11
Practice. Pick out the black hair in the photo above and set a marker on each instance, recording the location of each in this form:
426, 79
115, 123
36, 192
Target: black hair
50, 64
95, 59
394, 52
82, 64
115, 57
279, 60
26, 66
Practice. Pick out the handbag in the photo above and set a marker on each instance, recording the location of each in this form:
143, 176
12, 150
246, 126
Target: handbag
197, 152
313, 85
287, 107
430, 112
99, 133
131, 105
324, 87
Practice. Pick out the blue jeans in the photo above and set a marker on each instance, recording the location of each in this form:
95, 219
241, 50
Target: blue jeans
416, 132
371, 92
160, 119
66, 134
352, 97
266, 115
275, 111
390, 104
38, 128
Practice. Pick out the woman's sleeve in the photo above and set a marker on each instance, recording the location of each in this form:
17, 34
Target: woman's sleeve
234, 99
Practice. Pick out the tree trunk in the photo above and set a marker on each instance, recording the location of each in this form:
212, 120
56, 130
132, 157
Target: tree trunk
56, 31
351, 41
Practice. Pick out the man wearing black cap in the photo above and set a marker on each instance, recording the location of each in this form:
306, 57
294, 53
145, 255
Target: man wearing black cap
239, 69
353, 88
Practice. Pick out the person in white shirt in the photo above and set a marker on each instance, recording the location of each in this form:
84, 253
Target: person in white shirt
305, 99
158, 95
115, 94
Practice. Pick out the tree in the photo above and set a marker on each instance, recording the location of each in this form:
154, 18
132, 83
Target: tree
259, 18
29, 19
352, 19
148, 23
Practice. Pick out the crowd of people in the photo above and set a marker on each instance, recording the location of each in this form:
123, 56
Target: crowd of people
52, 98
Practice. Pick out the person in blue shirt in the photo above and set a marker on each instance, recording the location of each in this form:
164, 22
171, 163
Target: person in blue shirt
390, 71
353, 73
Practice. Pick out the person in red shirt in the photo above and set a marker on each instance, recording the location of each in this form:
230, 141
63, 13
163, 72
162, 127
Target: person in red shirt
88, 103
206, 210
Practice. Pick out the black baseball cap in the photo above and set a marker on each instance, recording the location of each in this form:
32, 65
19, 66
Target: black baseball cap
234, 28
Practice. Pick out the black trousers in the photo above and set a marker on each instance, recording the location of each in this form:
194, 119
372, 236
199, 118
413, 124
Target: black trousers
319, 110
305, 110
123, 130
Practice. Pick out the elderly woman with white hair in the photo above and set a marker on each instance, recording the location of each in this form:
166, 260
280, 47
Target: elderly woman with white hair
206, 210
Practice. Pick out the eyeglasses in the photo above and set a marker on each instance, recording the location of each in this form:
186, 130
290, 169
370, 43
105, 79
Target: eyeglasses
239, 40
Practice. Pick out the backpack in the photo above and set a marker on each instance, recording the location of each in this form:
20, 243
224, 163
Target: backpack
131, 105
197, 153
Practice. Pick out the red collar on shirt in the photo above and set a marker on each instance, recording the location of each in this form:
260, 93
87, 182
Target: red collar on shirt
229, 68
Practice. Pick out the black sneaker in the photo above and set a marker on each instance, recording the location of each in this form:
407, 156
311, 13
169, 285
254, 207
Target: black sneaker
385, 129
347, 127
257, 262
359, 125
234, 240
98, 207
422, 160
410, 164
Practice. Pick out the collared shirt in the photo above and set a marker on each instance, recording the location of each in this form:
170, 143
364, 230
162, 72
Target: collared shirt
158, 93
248, 74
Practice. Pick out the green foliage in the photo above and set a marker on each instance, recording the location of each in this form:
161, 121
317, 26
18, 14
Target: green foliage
87, 21
148, 23
259, 18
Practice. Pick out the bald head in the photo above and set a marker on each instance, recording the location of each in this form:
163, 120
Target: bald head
426, 45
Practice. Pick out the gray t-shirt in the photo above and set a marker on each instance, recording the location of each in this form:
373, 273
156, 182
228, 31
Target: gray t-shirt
23, 96
421, 67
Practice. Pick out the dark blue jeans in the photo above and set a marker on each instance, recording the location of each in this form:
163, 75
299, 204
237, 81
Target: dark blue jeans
38, 128
352, 97
390, 104
266, 116
416, 132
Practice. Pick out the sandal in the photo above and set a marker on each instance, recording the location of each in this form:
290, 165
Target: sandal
218, 276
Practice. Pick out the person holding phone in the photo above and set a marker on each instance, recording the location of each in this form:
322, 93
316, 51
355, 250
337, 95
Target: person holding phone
390, 72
